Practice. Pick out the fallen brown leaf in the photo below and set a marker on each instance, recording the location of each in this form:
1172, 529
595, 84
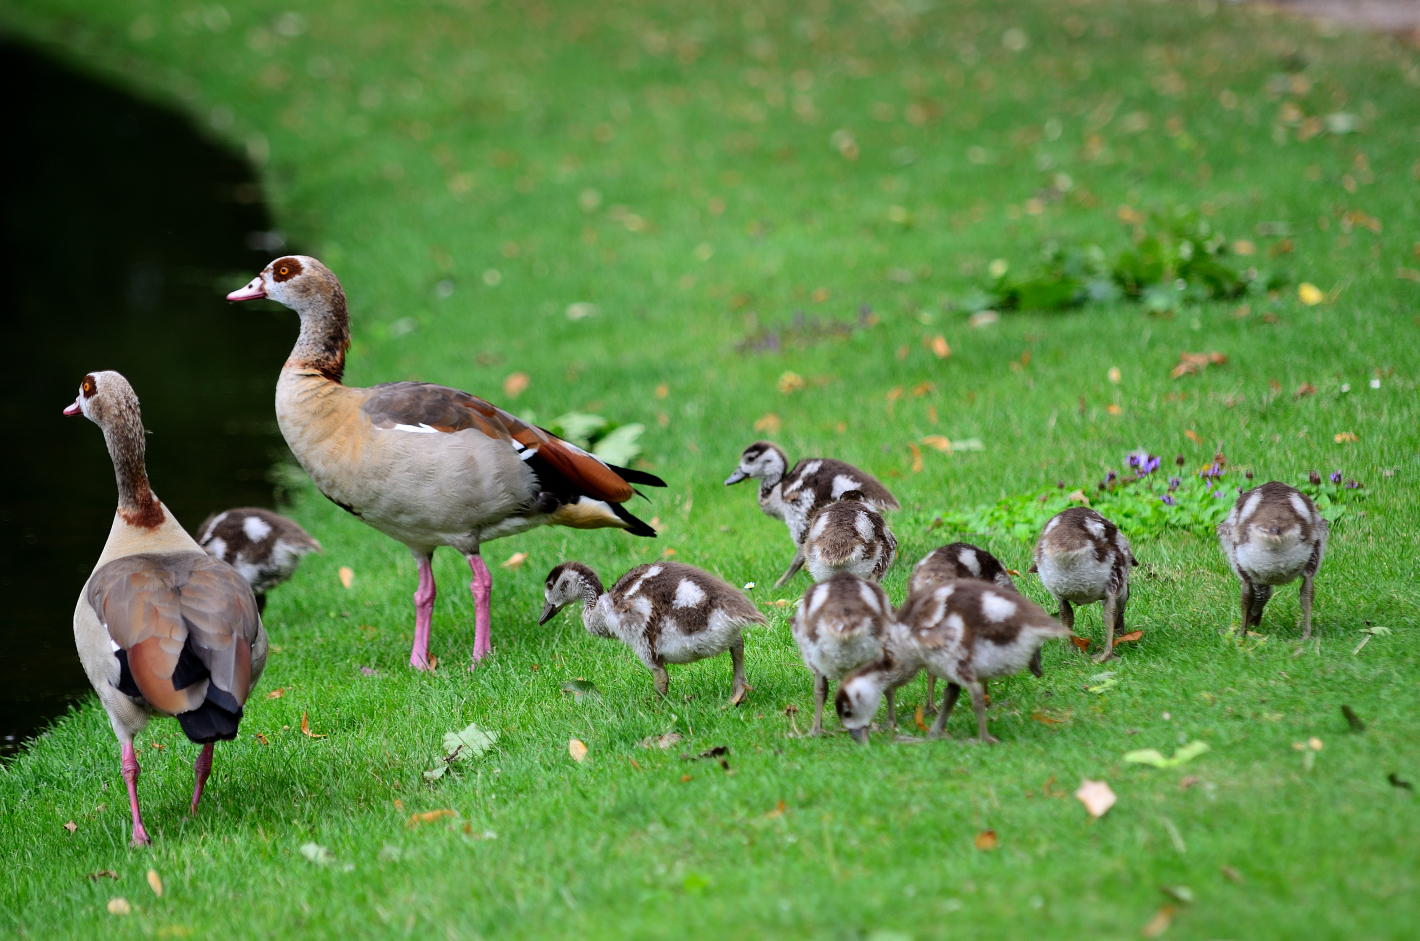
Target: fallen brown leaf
986, 840
1231, 874
685, 779
306, 727
1079, 496
102, 874
577, 749
662, 391
940, 347
919, 719
429, 816
347, 576
922, 388
1345, 437
71, 826
1159, 923
262, 739
1189, 363
118, 905
940, 442
790, 382
769, 423
1193, 436
1113, 408
155, 882
1082, 642
515, 560
894, 394
1128, 638
516, 384
1189, 780
1044, 719
276, 693
1097, 796
1305, 388
778, 811
916, 458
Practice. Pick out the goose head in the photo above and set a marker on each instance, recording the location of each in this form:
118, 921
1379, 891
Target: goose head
106, 399
761, 461
857, 701
298, 281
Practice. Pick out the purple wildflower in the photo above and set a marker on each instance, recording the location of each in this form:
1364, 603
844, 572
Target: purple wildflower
1134, 460
1168, 499
1110, 477
1336, 476
1174, 484
1354, 485
1314, 477
1151, 464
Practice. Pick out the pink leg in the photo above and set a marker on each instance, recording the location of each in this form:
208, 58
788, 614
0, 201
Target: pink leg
482, 589
201, 768
130, 775
423, 614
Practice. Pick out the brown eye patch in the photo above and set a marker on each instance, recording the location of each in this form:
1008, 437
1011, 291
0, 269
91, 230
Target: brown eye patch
284, 269
89, 387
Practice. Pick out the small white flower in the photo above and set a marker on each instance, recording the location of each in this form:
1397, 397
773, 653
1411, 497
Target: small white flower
1375, 383
1345, 387
749, 586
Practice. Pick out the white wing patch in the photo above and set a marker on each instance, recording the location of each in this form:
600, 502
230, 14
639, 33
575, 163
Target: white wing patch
995, 607
217, 549
870, 597
809, 470
864, 525
256, 528
817, 598
216, 520
1095, 527
842, 483
419, 429
688, 594
1300, 505
1054, 522
1251, 506
969, 562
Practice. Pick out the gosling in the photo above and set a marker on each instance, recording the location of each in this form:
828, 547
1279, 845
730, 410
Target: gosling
848, 536
793, 495
1083, 558
840, 626
1272, 536
966, 632
666, 613
262, 546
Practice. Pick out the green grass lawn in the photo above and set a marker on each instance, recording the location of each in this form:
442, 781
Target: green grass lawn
700, 173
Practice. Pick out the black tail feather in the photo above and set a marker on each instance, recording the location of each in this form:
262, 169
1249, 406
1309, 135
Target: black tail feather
209, 723
638, 477
637, 527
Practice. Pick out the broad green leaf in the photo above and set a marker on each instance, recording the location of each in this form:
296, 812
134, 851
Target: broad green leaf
1154, 757
470, 743
620, 446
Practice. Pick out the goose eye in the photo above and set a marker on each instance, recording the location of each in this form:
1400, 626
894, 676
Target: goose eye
88, 387
283, 271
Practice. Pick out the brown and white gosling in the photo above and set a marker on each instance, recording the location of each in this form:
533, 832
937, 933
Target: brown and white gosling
793, 495
665, 612
161, 628
947, 564
839, 626
263, 546
848, 535
1273, 535
966, 632
1081, 558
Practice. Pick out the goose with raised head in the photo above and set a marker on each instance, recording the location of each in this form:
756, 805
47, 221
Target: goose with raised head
666, 612
1272, 536
793, 495
265, 547
161, 628
424, 464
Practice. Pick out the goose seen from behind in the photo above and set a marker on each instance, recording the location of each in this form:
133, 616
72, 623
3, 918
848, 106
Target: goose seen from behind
1272, 536
424, 464
1081, 558
161, 628
848, 535
839, 626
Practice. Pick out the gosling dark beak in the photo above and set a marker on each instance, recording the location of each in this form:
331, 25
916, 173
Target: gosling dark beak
549, 611
736, 477
859, 735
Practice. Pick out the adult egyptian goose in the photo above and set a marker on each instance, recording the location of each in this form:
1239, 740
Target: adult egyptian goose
1272, 536
949, 563
665, 612
424, 464
839, 626
848, 535
792, 495
966, 632
263, 546
1081, 558
161, 627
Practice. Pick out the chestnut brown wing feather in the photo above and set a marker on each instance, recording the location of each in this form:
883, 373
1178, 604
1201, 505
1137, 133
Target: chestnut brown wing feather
450, 410
155, 605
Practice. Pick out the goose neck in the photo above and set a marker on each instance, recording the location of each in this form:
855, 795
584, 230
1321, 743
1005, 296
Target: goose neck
325, 334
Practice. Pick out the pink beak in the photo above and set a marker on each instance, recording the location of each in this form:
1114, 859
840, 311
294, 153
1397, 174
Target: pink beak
251, 292
75, 409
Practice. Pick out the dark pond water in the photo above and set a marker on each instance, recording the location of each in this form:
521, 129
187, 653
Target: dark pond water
122, 228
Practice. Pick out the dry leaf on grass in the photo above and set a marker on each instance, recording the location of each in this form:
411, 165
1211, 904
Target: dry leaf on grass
515, 560
276, 693
429, 816
1159, 923
1097, 796
262, 739
1114, 409
306, 728
470, 742
778, 811
790, 382
347, 576
1152, 756
102, 874
1129, 638
662, 742
1310, 294
1193, 436
1345, 437
916, 458
1189, 363
940, 347
118, 905
986, 840
940, 442
516, 384
577, 749
71, 826
155, 882
919, 720
1081, 642
769, 423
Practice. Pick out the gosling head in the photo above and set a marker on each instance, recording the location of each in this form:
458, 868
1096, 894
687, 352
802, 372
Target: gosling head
761, 461
857, 700
568, 582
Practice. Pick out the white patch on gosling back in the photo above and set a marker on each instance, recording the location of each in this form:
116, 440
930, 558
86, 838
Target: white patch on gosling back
1251, 506
810, 469
970, 562
1054, 522
1299, 505
842, 483
217, 549
870, 597
995, 607
864, 525
212, 526
688, 594
256, 528
1095, 527
817, 597
820, 525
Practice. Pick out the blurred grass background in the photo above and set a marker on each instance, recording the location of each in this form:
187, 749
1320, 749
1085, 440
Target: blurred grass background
709, 177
